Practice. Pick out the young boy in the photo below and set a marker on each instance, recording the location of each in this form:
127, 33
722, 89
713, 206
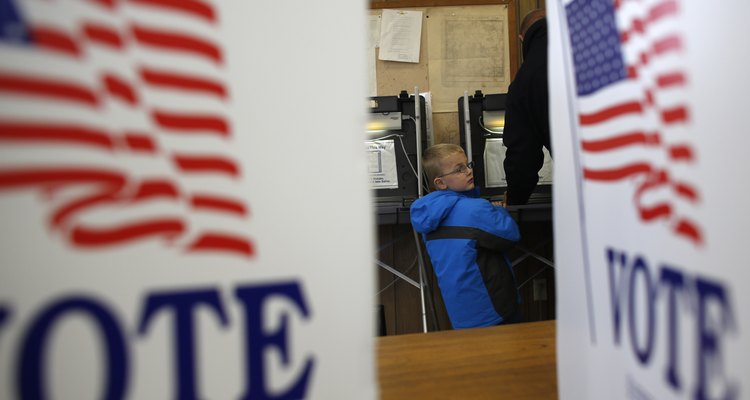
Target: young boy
465, 237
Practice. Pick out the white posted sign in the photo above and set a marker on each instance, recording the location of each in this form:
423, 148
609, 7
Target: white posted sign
649, 123
159, 236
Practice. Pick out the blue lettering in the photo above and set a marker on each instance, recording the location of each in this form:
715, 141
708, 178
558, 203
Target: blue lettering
184, 305
4, 317
714, 318
4, 314
616, 291
709, 336
31, 372
643, 354
253, 299
673, 282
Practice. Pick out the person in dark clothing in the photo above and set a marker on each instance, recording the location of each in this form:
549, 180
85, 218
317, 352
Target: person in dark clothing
527, 114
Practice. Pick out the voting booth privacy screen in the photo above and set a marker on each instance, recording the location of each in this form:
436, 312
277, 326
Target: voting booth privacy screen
649, 126
392, 148
164, 181
485, 124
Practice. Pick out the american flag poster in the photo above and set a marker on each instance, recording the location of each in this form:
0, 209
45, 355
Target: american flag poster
648, 118
162, 202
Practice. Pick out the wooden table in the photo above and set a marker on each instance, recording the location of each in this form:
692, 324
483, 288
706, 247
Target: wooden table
502, 362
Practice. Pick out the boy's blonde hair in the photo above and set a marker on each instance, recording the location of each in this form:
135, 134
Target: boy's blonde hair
433, 158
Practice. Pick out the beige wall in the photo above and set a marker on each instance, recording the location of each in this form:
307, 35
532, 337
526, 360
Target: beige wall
394, 77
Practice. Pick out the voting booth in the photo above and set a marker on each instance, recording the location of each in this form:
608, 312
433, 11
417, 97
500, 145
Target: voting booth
396, 134
481, 120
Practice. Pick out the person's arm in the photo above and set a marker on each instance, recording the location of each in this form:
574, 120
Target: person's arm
540, 108
523, 157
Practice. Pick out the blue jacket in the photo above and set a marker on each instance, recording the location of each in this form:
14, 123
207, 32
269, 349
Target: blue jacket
465, 237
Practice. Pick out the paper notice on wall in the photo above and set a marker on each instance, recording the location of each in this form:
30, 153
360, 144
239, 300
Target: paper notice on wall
400, 35
381, 166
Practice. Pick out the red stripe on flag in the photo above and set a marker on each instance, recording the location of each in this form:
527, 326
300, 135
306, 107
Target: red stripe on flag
47, 88
140, 142
197, 164
681, 152
686, 191
670, 43
649, 97
670, 79
182, 122
194, 7
58, 175
156, 188
676, 114
665, 8
658, 211
616, 173
146, 190
611, 112
644, 59
120, 88
657, 12
106, 3
184, 82
632, 71
54, 39
102, 35
688, 229
638, 26
218, 203
79, 204
69, 134
628, 139
222, 242
177, 42
655, 179
96, 237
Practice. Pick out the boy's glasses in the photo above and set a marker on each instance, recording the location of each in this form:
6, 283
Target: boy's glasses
462, 169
